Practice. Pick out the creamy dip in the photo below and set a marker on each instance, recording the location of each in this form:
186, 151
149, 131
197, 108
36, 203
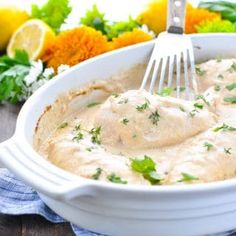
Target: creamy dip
112, 131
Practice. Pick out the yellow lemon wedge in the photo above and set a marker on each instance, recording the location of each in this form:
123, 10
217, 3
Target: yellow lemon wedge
10, 19
33, 36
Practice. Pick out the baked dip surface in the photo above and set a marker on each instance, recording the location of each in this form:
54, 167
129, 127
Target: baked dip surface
112, 131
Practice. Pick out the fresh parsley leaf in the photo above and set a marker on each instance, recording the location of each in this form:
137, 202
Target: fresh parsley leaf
96, 135
98, 173
232, 86
79, 136
115, 95
228, 150
208, 146
147, 167
117, 28
166, 91
93, 104
63, 125
230, 99
95, 19
224, 127
217, 87
116, 179
182, 109
198, 105
220, 76
154, 117
232, 67
193, 112
125, 121
142, 107
201, 97
53, 13
200, 71
187, 177
123, 101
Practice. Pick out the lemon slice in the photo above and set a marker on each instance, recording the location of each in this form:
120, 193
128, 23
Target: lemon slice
33, 37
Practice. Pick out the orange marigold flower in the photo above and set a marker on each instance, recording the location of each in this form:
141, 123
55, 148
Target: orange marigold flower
196, 16
73, 46
130, 38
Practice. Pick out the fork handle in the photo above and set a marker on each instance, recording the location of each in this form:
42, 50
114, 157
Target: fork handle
176, 16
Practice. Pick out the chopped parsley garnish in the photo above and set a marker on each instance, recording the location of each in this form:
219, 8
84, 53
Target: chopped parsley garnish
220, 76
134, 136
147, 167
63, 125
224, 127
198, 105
78, 137
154, 117
200, 71
166, 91
208, 146
93, 104
98, 173
201, 97
95, 132
187, 177
230, 99
142, 107
193, 112
89, 149
116, 95
124, 121
123, 101
231, 86
228, 150
116, 179
77, 127
217, 87
182, 109
232, 67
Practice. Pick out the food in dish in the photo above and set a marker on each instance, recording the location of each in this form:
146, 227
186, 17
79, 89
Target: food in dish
112, 131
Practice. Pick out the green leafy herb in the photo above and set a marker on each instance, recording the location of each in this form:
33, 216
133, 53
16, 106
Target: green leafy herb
208, 146
224, 128
12, 74
96, 135
53, 13
166, 91
125, 121
230, 99
232, 67
116, 95
95, 19
200, 71
187, 177
147, 167
142, 107
89, 149
201, 97
193, 112
93, 104
117, 28
220, 76
154, 117
232, 86
182, 109
198, 105
79, 136
63, 125
123, 101
116, 179
77, 127
225, 8
217, 87
98, 173
228, 150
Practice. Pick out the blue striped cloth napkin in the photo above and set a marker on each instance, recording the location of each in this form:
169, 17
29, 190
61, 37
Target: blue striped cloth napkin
18, 199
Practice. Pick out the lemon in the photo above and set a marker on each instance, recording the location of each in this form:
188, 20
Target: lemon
33, 36
10, 19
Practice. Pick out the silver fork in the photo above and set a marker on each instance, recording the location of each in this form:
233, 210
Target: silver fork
172, 47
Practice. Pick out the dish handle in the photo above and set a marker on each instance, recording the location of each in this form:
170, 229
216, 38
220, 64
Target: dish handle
14, 158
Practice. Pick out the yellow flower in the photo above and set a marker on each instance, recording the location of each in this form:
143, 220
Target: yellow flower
155, 16
73, 46
130, 38
197, 16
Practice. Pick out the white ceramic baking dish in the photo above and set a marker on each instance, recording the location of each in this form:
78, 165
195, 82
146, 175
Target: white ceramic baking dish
114, 209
